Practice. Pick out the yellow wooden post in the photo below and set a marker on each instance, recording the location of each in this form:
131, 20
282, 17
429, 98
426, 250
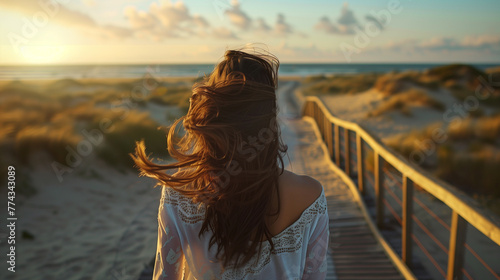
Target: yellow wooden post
337, 145
326, 124
322, 123
316, 109
347, 146
456, 249
407, 214
319, 120
329, 141
360, 159
379, 189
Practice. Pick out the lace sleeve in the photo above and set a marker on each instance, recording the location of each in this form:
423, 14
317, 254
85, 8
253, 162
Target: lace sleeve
315, 267
169, 256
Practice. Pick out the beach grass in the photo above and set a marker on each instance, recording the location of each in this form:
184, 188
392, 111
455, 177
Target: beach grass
467, 156
403, 102
394, 83
54, 117
338, 84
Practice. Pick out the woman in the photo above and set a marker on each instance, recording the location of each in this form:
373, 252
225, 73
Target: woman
231, 211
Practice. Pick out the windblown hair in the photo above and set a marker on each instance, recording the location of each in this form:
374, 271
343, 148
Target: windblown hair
230, 154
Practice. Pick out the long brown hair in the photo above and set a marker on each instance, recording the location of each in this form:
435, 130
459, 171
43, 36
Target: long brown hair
230, 154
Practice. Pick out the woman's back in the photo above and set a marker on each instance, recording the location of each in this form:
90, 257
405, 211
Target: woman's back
231, 211
300, 234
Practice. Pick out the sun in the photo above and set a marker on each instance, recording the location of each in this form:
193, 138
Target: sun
42, 54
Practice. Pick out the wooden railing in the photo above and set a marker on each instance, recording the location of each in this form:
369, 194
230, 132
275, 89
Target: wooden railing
464, 210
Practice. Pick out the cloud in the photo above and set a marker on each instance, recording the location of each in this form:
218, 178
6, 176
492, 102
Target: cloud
158, 21
345, 24
262, 26
200, 21
302, 53
326, 25
162, 20
166, 19
241, 20
89, 3
476, 43
171, 15
223, 33
282, 27
62, 15
375, 21
347, 16
438, 43
491, 42
238, 17
139, 19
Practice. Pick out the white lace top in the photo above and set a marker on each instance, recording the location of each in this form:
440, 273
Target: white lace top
299, 253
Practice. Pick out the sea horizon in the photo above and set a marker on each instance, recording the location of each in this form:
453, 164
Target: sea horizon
78, 71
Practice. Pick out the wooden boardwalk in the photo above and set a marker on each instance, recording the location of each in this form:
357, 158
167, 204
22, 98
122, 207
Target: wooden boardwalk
354, 252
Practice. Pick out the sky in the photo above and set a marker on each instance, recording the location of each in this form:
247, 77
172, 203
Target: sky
199, 31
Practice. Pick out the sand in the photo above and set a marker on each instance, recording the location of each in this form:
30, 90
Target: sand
355, 108
98, 222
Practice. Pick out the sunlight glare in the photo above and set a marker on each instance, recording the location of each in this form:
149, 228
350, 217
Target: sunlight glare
42, 54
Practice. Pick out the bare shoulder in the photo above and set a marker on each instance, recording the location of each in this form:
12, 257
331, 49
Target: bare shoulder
301, 189
296, 194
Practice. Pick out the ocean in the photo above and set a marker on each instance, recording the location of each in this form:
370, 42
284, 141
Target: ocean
192, 70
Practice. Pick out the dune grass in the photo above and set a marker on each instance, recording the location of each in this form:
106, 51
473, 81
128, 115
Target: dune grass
120, 140
177, 96
393, 83
338, 84
449, 72
475, 168
485, 129
468, 158
461, 80
35, 120
403, 102
467, 81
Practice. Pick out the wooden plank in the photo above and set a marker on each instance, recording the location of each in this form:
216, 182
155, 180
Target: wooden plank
360, 157
347, 144
457, 245
379, 189
406, 240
